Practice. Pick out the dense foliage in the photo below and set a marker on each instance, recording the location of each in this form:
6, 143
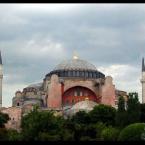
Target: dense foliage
103, 123
103, 113
3, 119
121, 113
132, 132
39, 125
133, 108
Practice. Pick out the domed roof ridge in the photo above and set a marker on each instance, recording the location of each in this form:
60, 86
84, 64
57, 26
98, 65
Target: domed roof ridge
75, 64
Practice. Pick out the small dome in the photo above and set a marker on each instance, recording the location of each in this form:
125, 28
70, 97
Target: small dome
75, 64
38, 85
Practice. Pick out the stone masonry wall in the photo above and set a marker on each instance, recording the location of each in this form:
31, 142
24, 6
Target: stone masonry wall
108, 92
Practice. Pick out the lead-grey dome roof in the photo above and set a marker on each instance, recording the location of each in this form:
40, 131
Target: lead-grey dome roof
75, 64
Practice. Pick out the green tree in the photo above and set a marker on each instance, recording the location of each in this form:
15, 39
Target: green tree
142, 110
121, 113
133, 108
110, 134
37, 122
132, 132
3, 134
3, 119
81, 117
103, 113
14, 135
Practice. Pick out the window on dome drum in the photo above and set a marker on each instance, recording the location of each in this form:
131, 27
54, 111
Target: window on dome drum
90, 74
94, 74
83, 73
66, 73
77, 73
73, 73
99, 75
69, 73
18, 104
86, 74
81, 93
80, 73
61, 73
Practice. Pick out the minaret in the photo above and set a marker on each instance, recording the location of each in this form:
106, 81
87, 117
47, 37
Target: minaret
1, 77
143, 81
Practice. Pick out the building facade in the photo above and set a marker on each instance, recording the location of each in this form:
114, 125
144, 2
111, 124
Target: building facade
71, 86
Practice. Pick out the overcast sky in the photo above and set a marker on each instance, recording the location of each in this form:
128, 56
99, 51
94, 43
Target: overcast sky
34, 38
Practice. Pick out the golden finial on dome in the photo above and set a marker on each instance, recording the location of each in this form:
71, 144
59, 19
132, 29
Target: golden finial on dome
75, 55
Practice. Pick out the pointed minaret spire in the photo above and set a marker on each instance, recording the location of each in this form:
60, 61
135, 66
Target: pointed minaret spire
143, 66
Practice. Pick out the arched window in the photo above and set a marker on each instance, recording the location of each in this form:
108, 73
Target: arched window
83, 73
94, 75
74, 73
80, 74
69, 73
75, 93
78, 92
61, 73
77, 74
86, 74
66, 73
18, 104
90, 74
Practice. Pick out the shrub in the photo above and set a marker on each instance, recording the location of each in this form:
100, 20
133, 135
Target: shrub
3, 134
103, 113
99, 127
110, 134
132, 132
13, 135
44, 136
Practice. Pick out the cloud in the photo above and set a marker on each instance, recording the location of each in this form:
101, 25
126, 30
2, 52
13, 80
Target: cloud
125, 77
34, 38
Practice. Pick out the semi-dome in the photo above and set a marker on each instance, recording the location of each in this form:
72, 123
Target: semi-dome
75, 64
86, 105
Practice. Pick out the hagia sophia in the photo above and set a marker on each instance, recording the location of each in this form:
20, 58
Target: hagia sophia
72, 85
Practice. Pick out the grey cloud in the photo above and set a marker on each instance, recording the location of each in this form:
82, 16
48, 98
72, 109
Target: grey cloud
104, 35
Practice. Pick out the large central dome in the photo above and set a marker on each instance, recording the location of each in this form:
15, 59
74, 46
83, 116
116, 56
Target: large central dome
75, 64
76, 68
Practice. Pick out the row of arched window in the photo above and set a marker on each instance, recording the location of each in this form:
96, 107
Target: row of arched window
77, 73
